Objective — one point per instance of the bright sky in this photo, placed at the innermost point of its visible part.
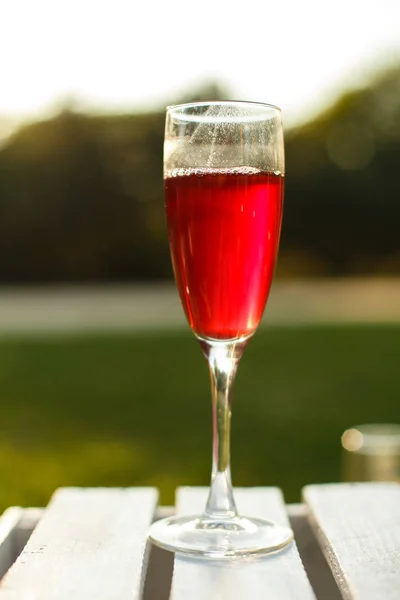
(138, 54)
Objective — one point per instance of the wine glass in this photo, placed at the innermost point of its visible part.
(224, 174)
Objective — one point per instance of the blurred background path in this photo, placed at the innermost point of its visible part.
(69, 308)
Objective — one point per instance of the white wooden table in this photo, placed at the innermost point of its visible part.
(90, 544)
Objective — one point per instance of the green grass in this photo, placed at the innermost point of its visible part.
(134, 409)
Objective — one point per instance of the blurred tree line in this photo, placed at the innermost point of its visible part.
(342, 212)
(81, 197)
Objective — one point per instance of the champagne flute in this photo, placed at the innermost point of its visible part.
(224, 175)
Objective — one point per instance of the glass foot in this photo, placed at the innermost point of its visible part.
(219, 538)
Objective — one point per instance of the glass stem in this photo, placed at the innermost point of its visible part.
(223, 359)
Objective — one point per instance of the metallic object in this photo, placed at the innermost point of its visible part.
(371, 453)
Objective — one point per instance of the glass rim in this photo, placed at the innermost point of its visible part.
(223, 102)
(179, 110)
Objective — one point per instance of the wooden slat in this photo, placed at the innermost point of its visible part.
(89, 545)
(30, 517)
(358, 526)
(314, 561)
(16, 526)
(8, 526)
(276, 577)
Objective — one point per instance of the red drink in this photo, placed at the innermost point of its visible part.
(224, 228)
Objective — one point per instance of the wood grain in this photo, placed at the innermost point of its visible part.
(358, 527)
(89, 545)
